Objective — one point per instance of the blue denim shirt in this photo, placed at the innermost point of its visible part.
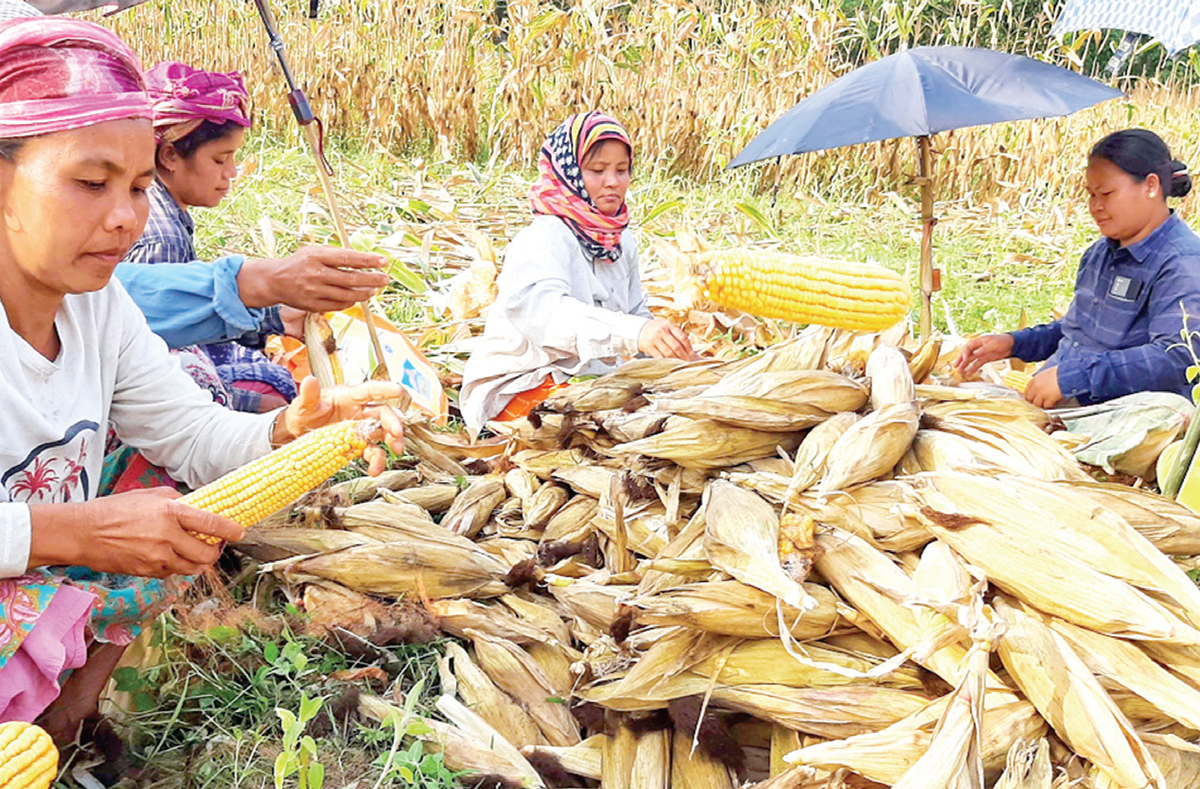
(189, 303)
(1122, 332)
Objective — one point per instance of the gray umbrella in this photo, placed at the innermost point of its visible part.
(917, 93)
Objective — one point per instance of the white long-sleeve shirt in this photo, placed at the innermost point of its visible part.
(558, 313)
(54, 415)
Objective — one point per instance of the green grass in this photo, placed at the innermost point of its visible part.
(206, 710)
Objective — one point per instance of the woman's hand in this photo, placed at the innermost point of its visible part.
(312, 279)
(314, 407)
(980, 350)
(662, 339)
(142, 532)
(1043, 389)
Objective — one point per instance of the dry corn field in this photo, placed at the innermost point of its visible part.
(824, 566)
(693, 84)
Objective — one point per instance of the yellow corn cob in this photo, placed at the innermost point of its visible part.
(257, 489)
(1017, 379)
(837, 293)
(28, 758)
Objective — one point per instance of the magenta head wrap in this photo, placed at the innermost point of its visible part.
(185, 97)
(61, 74)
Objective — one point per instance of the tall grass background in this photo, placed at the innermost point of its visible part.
(694, 80)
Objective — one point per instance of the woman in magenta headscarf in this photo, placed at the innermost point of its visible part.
(200, 122)
(80, 575)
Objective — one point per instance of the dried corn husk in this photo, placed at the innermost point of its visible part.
(954, 759)
(489, 702)
(1170, 526)
(883, 513)
(360, 489)
(432, 498)
(833, 713)
(812, 457)
(922, 361)
(870, 447)
(514, 671)
(891, 378)
(736, 609)
(582, 759)
(1057, 581)
(591, 481)
(521, 484)
(572, 522)
(546, 501)
(273, 545)
(873, 584)
(1123, 664)
(473, 507)
(742, 538)
(752, 662)
(652, 763)
(1053, 677)
(467, 744)
(597, 394)
(705, 444)
(695, 769)
(616, 762)
(1028, 767)
(886, 755)
(591, 602)
(1017, 441)
(540, 612)
(458, 616)
(433, 563)
(759, 413)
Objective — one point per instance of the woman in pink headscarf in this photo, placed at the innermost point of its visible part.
(80, 575)
(200, 123)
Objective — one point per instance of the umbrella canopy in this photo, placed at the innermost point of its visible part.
(68, 6)
(1173, 23)
(917, 93)
(924, 91)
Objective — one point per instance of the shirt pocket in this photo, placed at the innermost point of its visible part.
(1119, 323)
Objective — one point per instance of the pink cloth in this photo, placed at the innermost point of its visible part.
(58, 642)
(61, 74)
(184, 97)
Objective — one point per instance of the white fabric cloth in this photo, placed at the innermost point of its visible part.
(54, 414)
(557, 313)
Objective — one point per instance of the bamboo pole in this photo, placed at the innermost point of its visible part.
(927, 221)
(312, 134)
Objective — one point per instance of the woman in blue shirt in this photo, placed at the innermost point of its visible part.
(1134, 287)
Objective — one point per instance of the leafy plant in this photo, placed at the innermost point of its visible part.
(299, 754)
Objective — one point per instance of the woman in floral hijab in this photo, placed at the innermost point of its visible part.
(570, 299)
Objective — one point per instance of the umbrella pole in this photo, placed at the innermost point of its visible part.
(927, 221)
(313, 134)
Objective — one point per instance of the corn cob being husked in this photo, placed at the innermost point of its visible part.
(28, 758)
(257, 489)
(841, 294)
(1017, 379)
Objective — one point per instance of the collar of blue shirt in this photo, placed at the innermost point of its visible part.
(1140, 250)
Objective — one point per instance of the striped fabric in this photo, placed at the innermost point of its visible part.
(559, 189)
(1173, 23)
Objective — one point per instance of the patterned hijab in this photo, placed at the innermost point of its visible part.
(185, 97)
(62, 74)
(559, 189)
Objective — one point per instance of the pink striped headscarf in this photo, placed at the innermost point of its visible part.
(185, 97)
(61, 74)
